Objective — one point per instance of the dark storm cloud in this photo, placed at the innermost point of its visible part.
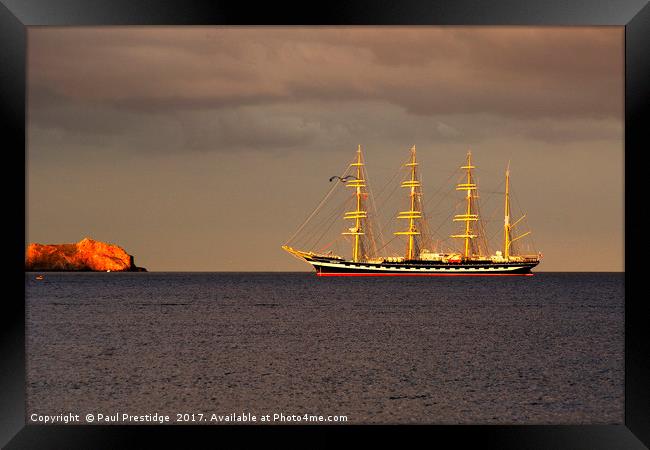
(534, 72)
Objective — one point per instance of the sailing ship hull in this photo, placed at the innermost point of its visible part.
(420, 268)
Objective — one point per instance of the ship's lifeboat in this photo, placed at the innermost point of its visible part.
(455, 259)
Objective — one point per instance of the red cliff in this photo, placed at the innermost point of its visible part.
(85, 255)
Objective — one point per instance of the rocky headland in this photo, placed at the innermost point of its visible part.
(86, 255)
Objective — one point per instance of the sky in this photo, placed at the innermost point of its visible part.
(204, 148)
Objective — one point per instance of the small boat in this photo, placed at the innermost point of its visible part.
(421, 257)
(39, 277)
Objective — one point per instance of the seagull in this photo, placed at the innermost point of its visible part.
(343, 178)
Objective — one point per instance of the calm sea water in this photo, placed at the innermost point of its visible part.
(541, 349)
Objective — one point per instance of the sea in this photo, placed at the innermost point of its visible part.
(203, 347)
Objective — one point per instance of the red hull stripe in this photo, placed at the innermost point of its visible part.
(361, 274)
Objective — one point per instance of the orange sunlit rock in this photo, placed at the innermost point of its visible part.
(85, 255)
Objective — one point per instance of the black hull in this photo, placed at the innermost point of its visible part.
(346, 268)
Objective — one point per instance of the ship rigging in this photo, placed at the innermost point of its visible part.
(420, 255)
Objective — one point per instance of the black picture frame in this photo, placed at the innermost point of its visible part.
(16, 15)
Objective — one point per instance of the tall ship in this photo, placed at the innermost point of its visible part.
(467, 254)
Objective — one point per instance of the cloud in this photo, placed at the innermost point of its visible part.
(206, 130)
(507, 71)
(446, 130)
(249, 129)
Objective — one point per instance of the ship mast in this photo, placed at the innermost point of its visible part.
(506, 220)
(468, 217)
(507, 226)
(412, 214)
(358, 213)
